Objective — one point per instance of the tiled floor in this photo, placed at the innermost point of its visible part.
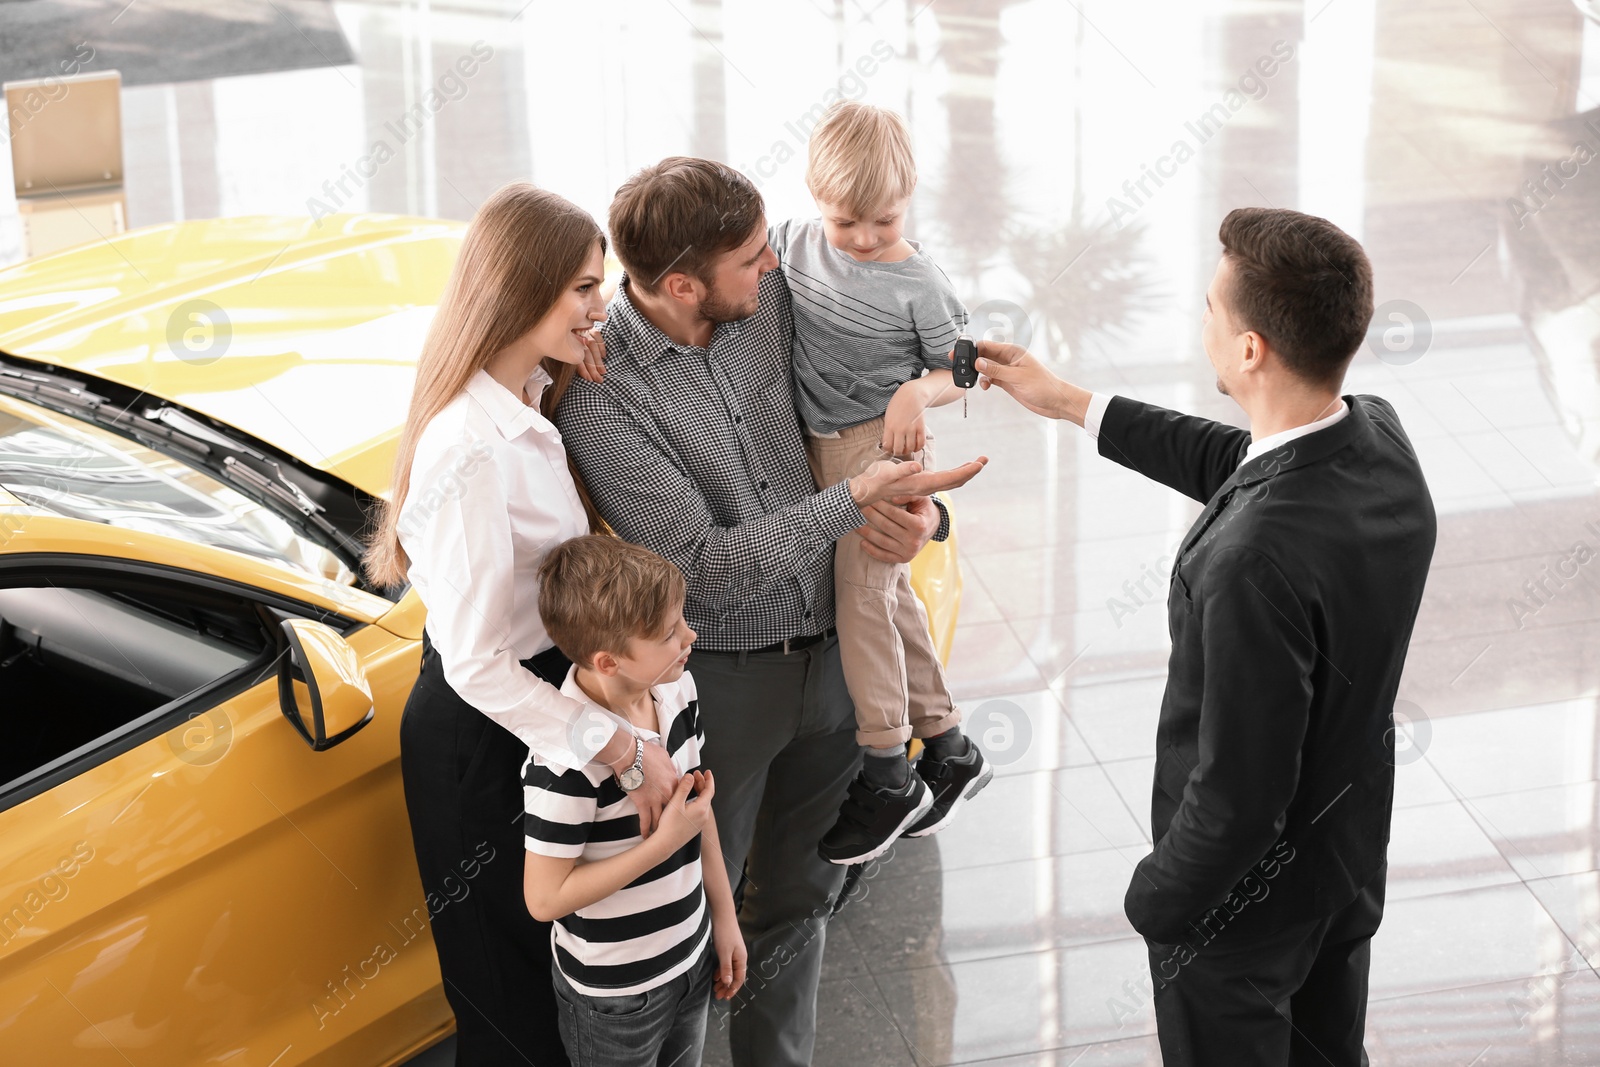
(1412, 123)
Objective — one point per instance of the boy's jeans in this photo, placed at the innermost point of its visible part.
(661, 1027)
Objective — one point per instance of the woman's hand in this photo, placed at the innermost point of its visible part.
(593, 367)
(904, 431)
(660, 776)
(732, 955)
(683, 819)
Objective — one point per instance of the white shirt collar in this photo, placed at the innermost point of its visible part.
(667, 699)
(1283, 437)
(511, 416)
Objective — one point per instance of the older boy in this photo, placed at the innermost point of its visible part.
(639, 924)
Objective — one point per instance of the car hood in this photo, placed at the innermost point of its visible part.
(302, 334)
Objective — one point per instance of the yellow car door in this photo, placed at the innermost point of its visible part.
(186, 880)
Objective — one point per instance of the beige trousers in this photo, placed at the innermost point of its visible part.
(894, 674)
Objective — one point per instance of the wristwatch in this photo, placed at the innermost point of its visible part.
(633, 777)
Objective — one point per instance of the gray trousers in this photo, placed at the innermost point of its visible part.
(780, 739)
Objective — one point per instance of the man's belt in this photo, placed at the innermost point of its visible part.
(796, 644)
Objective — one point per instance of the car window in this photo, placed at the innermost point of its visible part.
(86, 660)
(71, 468)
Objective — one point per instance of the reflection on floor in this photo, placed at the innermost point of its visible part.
(1054, 191)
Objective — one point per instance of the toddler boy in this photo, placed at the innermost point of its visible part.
(875, 320)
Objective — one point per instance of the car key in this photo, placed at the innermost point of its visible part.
(964, 368)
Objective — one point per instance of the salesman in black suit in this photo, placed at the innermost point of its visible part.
(1290, 608)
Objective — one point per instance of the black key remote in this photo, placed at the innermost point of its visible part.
(964, 368)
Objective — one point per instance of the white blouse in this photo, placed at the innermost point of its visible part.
(490, 495)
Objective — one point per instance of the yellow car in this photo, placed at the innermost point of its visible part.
(207, 857)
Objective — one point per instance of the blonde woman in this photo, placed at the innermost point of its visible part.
(481, 493)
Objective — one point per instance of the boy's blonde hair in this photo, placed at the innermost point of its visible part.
(860, 156)
(597, 591)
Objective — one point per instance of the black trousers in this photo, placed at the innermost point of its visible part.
(464, 798)
(1295, 995)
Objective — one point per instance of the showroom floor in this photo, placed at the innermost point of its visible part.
(1076, 160)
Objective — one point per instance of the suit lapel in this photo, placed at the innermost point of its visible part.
(1219, 500)
(1251, 477)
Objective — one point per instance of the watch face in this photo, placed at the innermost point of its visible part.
(631, 779)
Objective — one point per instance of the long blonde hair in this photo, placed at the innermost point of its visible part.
(523, 248)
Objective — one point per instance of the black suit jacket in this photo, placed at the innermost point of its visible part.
(1290, 607)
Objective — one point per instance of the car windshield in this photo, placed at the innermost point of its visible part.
(73, 469)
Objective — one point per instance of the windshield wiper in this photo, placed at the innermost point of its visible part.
(234, 461)
(69, 396)
(31, 383)
(166, 428)
(261, 469)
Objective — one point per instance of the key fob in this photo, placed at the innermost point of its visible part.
(964, 369)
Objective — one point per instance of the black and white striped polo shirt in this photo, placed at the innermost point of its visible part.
(652, 930)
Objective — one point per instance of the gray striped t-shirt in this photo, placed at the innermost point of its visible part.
(861, 330)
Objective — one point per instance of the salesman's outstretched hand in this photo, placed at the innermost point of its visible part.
(1018, 372)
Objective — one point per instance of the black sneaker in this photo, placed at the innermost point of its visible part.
(954, 781)
(871, 818)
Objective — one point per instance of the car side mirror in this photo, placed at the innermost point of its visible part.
(322, 689)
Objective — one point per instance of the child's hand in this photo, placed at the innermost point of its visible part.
(682, 819)
(732, 955)
(904, 433)
(593, 367)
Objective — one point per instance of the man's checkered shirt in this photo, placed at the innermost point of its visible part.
(696, 453)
